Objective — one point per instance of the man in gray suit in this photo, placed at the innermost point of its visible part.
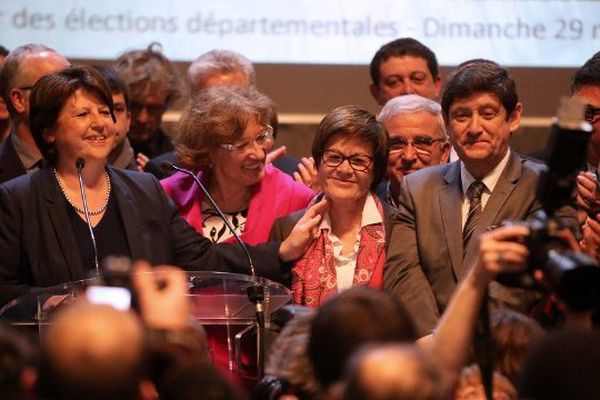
(440, 215)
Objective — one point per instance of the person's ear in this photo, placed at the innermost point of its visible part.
(446, 152)
(375, 93)
(438, 86)
(48, 136)
(514, 121)
(18, 98)
(128, 120)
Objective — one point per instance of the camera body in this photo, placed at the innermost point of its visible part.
(573, 276)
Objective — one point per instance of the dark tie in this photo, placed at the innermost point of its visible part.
(474, 195)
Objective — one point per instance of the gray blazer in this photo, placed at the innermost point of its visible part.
(430, 227)
(417, 298)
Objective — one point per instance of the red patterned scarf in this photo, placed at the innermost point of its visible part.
(314, 276)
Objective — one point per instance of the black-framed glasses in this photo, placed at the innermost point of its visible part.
(358, 162)
(421, 143)
(25, 88)
(592, 114)
(261, 139)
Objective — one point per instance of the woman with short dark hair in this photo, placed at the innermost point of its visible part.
(350, 151)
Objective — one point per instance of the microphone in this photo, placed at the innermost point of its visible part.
(79, 164)
(255, 292)
(168, 165)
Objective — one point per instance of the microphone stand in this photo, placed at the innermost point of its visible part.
(255, 292)
(80, 163)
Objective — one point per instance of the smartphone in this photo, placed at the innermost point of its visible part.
(113, 288)
(115, 296)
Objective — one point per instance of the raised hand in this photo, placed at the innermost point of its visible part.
(304, 232)
(307, 174)
(275, 154)
(162, 295)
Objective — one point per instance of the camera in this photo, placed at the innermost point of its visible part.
(573, 276)
(113, 286)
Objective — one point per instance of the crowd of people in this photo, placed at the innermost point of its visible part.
(390, 234)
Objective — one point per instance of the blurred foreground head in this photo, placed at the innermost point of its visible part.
(345, 323)
(394, 371)
(563, 365)
(93, 352)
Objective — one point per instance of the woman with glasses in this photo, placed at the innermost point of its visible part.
(350, 150)
(224, 137)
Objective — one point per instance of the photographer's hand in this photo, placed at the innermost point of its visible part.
(162, 296)
(502, 250)
(588, 198)
(590, 243)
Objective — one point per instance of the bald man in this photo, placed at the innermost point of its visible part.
(395, 371)
(23, 67)
(94, 352)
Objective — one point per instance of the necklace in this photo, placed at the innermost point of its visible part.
(81, 210)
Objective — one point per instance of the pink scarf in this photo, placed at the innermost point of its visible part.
(314, 276)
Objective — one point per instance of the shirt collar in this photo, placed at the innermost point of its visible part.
(370, 215)
(29, 158)
(389, 196)
(490, 180)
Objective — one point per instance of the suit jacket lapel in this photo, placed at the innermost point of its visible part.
(450, 200)
(498, 198)
(60, 220)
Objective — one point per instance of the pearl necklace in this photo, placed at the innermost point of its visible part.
(81, 210)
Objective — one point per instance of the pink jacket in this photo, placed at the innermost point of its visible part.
(276, 195)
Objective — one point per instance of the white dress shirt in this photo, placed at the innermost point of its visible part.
(490, 181)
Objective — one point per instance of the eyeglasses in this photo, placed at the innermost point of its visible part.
(262, 138)
(155, 110)
(358, 162)
(592, 114)
(421, 143)
(25, 88)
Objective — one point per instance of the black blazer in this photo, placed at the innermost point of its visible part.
(38, 247)
(10, 163)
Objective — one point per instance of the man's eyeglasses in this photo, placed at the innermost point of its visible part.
(358, 162)
(592, 114)
(262, 138)
(421, 143)
(155, 110)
